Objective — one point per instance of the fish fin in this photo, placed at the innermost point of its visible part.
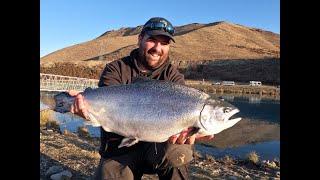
(93, 121)
(106, 129)
(193, 131)
(87, 122)
(129, 141)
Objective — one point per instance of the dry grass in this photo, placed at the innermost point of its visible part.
(53, 125)
(49, 121)
(44, 117)
(197, 154)
(210, 158)
(83, 131)
(227, 160)
(252, 157)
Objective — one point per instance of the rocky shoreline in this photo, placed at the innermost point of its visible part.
(65, 155)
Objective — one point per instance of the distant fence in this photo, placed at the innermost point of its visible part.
(51, 82)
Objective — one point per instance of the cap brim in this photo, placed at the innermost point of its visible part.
(159, 32)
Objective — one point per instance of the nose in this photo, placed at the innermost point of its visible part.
(157, 46)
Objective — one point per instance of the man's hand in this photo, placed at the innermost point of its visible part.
(78, 106)
(181, 139)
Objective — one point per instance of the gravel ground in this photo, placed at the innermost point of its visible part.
(79, 155)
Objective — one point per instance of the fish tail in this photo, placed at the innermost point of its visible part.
(63, 102)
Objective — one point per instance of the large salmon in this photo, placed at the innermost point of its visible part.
(152, 111)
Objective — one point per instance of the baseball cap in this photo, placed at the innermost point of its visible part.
(158, 26)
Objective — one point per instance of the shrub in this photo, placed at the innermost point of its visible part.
(83, 131)
(252, 157)
(44, 117)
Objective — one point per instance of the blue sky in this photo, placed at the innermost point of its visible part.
(65, 23)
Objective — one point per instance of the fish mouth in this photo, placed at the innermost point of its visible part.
(230, 114)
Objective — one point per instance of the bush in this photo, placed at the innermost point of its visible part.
(252, 157)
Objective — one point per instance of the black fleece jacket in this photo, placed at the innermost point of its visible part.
(122, 71)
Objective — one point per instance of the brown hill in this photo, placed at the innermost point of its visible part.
(196, 44)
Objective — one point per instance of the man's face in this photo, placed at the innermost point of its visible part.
(153, 50)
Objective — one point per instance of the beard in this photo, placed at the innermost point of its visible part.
(146, 60)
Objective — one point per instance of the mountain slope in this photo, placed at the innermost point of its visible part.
(216, 51)
(219, 40)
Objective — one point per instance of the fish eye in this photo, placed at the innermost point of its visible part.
(226, 110)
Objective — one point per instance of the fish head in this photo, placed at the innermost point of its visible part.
(215, 116)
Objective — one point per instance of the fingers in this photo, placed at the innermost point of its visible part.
(81, 106)
(191, 140)
(173, 139)
(78, 106)
(80, 102)
(74, 106)
(182, 137)
(73, 92)
(205, 137)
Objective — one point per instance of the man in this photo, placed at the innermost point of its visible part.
(170, 159)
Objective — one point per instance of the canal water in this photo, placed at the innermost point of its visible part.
(258, 131)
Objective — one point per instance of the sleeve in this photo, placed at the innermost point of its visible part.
(110, 75)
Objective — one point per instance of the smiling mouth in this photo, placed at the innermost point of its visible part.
(154, 54)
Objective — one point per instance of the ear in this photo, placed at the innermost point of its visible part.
(140, 37)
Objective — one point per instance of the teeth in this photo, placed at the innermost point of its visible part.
(154, 54)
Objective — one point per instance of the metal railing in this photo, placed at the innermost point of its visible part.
(52, 82)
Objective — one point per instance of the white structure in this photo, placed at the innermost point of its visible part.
(228, 83)
(52, 82)
(215, 83)
(255, 83)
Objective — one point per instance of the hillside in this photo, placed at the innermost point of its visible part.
(197, 49)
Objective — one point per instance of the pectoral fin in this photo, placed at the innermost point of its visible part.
(93, 121)
(129, 141)
(193, 131)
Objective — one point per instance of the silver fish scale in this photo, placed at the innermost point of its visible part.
(147, 111)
